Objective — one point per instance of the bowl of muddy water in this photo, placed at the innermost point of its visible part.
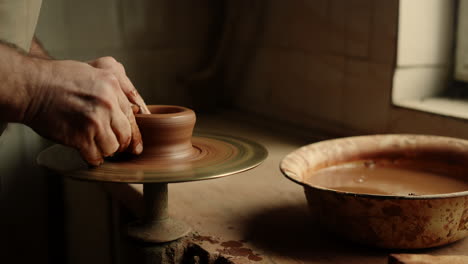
(388, 191)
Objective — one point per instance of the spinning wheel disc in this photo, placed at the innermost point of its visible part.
(213, 156)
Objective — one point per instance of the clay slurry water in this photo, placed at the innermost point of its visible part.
(371, 178)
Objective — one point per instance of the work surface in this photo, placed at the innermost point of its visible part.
(259, 215)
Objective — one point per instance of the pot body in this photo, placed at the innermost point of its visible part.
(167, 132)
(390, 222)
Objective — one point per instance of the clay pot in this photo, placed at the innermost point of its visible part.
(387, 221)
(167, 132)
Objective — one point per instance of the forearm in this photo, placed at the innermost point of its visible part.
(37, 50)
(20, 75)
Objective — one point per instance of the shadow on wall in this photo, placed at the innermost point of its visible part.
(241, 31)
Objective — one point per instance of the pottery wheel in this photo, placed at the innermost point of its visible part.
(213, 156)
(171, 154)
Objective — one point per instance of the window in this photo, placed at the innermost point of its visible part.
(430, 75)
(461, 45)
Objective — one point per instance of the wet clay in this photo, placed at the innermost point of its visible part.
(383, 179)
(167, 132)
(168, 142)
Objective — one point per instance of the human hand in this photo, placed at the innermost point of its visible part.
(84, 107)
(112, 65)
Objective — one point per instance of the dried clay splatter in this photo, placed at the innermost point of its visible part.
(234, 248)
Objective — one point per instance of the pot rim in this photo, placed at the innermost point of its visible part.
(174, 112)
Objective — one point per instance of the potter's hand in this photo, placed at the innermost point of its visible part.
(112, 65)
(84, 107)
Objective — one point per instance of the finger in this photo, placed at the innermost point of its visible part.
(119, 122)
(107, 142)
(122, 120)
(132, 93)
(136, 145)
(124, 82)
(91, 154)
(135, 109)
(122, 129)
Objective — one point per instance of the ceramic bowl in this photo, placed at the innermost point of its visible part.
(387, 221)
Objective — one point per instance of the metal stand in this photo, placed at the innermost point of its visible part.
(157, 226)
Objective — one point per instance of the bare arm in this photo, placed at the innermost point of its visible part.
(17, 73)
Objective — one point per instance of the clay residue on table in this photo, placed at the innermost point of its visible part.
(237, 249)
(232, 243)
(230, 248)
(209, 239)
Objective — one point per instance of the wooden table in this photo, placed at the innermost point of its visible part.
(259, 216)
